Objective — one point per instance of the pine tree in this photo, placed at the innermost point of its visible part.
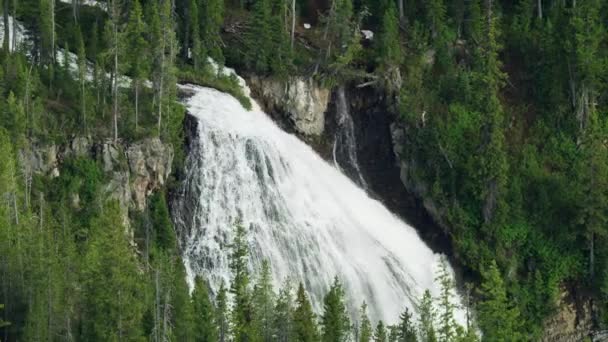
(497, 319)
(305, 326)
(205, 327)
(284, 314)
(82, 73)
(447, 325)
(335, 321)
(406, 332)
(197, 52)
(380, 335)
(242, 309)
(426, 318)
(113, 311)
(47, 34)
(593, 182)
(389, 45)
(221, 314)
(259, 37)
(138, 49)
(164, 42)
(365, 326)
(211, 20)
(263, 304)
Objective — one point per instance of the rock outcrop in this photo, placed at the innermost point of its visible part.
(133, 170)
(302, 102)
(570, 323)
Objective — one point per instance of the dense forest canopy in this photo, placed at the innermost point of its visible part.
(505, 104)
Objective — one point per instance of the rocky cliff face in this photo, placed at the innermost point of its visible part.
(299, 104)
(133, 170)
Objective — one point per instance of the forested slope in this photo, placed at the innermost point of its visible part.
(504, 104)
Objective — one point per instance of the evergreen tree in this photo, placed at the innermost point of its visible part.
(305, 326)
(365, 326)
(380, 335)
(211, 20)
(196, 52)
(222, 315)
(242, 309)
(496, 317)
(426, 319)
(263, 304)
(205, 327)
(593, 175)
(406, 331)
(259, 37)
(447, 325)
(113, 311)
(335, 321)
(138, 50)
(389, 45)
(82, 73)
(284, 314)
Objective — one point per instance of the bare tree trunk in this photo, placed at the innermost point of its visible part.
(157, 307)
(592, 257)
(14, 40)
(136, 104)
(75, 10)
(5, 44)
(53, 32)
(115, 19)
(401, 11)
(293, 22)
(540, 9)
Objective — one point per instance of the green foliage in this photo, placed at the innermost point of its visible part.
(406, 331)
(205, 326)
(426, 319)
(242, 311)
(335, 321)
(284, 316)
(304, 320)
(112, 311)
(211, 20)
(263, 299)
(498, 319)
(365, 326)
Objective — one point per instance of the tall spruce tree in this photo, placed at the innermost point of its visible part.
(283, 326)
(365, 326)
(304, 320)
(205, 325)
(497, 318)
(335, 321)
(426, 319)
(113, 311)
(380, 335)
(242, 310)
(446, 328)
(138, 50)
(211, 20)
(263, 304)
(406, 331)
(222, 315)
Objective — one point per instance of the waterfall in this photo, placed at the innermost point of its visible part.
(303, 215)
(345, 143)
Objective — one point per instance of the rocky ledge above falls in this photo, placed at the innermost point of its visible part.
(133, 170)
(297, 104)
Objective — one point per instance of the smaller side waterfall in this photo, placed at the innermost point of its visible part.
(345, 142)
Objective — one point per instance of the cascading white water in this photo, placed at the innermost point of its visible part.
(345, 143)
(309, 220)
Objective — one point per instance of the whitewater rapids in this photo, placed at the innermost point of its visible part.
(303, 215)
